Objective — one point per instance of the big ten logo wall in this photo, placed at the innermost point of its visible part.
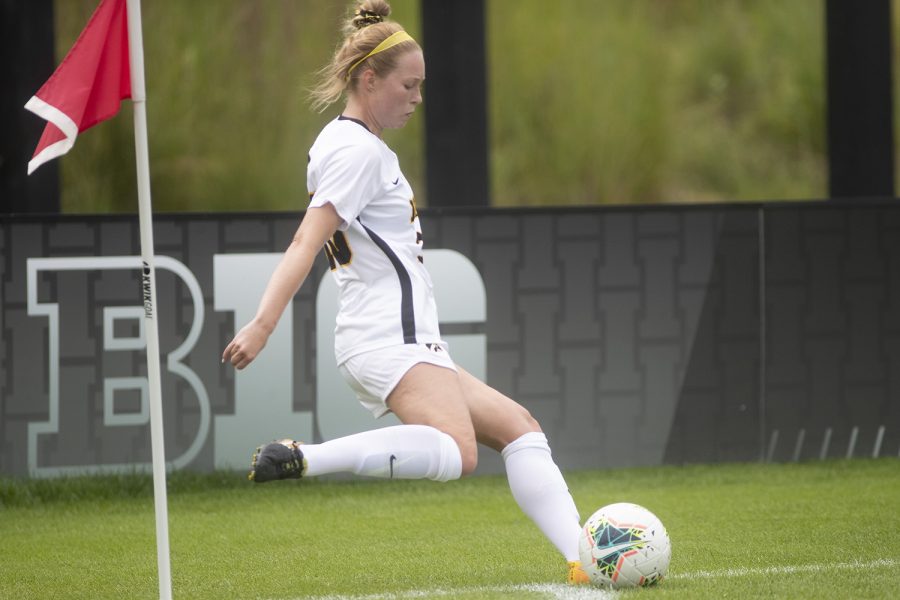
(635, 336)
(600, 323)
(85, 383)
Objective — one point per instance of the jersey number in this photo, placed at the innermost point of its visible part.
(338, 251)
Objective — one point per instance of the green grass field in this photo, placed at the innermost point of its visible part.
(816, 530)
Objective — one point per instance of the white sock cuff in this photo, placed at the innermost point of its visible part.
(532, 439)
(450, 466)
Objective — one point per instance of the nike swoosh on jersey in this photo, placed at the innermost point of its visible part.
(396, 181)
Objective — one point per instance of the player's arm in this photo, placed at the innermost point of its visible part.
(318, 225)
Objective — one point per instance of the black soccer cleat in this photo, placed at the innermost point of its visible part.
(279, 460)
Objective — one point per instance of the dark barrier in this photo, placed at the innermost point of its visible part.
(636, 336)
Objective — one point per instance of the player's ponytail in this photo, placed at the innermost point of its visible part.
(367, 13)
(371, 41)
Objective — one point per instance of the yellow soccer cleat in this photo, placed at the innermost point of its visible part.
(577, 576)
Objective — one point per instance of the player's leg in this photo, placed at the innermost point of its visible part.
(534, 478)
(398, 452)
(436, 441)
(431, 395)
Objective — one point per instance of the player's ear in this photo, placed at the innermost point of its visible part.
(368, 80)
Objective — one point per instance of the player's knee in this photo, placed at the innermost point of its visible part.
(528, 422)
(517, 422)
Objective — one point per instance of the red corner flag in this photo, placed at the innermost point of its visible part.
(88, 86)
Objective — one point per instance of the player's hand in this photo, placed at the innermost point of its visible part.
(246, 345)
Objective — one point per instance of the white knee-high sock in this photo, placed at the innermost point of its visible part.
(541, 492)
(398, 452)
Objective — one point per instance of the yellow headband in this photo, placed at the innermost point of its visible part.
(388, 42)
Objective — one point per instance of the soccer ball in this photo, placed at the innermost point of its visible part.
(624, 545)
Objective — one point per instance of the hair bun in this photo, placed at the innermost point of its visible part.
(364, 18)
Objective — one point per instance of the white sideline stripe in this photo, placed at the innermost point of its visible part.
(558, 591)
(788, 569)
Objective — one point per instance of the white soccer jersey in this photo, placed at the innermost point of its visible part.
(385, 294)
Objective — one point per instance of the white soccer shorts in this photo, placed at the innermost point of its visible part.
(373, 375)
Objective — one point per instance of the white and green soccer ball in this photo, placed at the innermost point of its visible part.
(624, 545)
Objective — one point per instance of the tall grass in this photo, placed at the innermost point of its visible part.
(647, 101)
(610, 101)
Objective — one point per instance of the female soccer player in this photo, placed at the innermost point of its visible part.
(387, 343)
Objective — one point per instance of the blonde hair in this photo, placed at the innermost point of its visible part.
(363, 31)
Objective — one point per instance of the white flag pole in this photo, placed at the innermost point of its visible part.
(145, 215)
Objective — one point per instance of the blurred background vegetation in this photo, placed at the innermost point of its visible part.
(590, 102)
